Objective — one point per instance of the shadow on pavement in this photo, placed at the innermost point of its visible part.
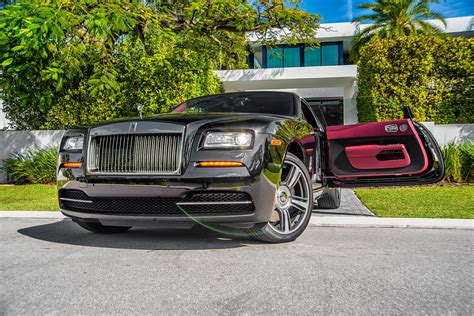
(197, 238)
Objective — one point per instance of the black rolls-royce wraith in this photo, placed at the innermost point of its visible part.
(254, 161)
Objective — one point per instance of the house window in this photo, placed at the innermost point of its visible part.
(330, 54)
(312, 56)
(327, 54)
(285, 56)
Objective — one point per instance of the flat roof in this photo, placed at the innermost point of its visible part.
(459, 26)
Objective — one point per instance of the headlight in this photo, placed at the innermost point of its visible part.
(74, 143)
(228, 140)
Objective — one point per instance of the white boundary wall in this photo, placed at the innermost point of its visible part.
(23, 141)
(12, 142)
(451, 133)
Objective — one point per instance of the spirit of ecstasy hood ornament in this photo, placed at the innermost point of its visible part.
(140, 109)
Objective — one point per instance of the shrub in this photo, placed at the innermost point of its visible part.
(432, 75)
(33, 167)
(75, 56)
(158, 81)
(459, 161)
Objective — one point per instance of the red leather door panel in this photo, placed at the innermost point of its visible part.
(376, 149)
(378, 156)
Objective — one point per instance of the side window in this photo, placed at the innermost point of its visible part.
(309, 116)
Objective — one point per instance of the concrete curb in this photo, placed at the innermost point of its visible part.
(368, 221)
(32, 214)
(316, 220)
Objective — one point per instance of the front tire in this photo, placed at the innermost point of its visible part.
(293, 205)
(98, 228)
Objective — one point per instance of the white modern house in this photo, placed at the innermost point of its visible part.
(322, 76)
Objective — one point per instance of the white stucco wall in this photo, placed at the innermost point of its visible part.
(451, 133)
(12, 142)
(3, 120)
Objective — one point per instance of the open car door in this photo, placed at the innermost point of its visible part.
(398, 152)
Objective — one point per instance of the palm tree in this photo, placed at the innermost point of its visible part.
(396, 18)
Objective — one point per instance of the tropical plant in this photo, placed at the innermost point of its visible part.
(395, 18)
(459, 162)
(53, 52)
(33, 167)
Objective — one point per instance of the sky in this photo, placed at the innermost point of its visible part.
(345, 10)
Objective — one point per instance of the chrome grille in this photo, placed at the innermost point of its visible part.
(135, 154)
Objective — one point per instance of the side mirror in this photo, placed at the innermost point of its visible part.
(408, 113)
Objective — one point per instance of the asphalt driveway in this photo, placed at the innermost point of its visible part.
(53, 266)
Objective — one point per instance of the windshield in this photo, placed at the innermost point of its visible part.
(267, 103)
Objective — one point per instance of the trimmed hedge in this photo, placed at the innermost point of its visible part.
(433, 75)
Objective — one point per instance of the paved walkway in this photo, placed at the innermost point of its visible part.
(324, 220)
(350, 205)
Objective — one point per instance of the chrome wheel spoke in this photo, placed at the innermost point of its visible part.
(285, 221)
(292, 200)
(293, 177)
(301, 204)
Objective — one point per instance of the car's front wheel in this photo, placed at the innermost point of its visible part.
(293, 205)
(101, 229)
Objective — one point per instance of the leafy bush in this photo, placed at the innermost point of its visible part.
(33, 167)
(158, 80)
(459, 161)
(77, 62)
(432, 75)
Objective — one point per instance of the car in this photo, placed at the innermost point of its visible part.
(253, 162)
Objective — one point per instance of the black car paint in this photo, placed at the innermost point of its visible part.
(259, 179)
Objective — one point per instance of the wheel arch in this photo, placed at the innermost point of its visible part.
(296, 149)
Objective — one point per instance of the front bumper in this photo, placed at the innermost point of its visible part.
(170, 204)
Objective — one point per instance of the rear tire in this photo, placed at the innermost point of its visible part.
(330, 199)
(98, 228)
(294, 204)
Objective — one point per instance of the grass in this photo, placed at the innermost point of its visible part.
(449, 201)
(424, 201)
(34, 197)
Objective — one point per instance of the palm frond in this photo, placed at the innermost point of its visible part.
(368, 17)
(428, 28)
(396, 18)
(437, 16)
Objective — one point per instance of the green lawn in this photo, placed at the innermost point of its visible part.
(34, 197)
(422, 202)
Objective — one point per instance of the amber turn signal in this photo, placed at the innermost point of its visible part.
(72, 165)
(219, 164)
(276, 142)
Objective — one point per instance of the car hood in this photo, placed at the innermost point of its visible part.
(202, 118)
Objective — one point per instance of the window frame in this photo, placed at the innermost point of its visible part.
(265, 52)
